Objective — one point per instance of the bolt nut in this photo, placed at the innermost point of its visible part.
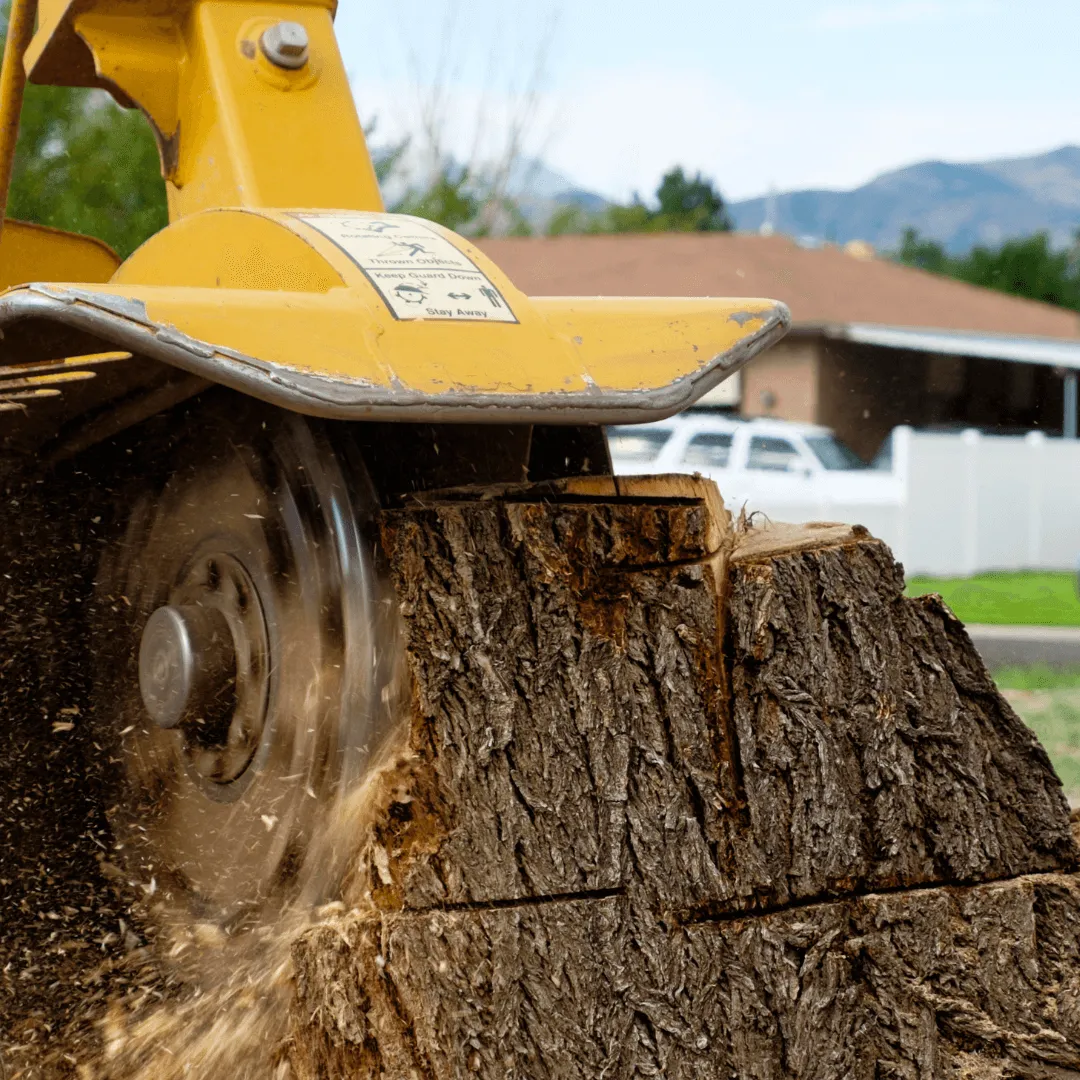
(285, 44)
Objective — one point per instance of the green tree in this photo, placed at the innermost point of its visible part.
(568, 220)
(683, 204)
(447, 200)
(690, 205)
(84, 164)
(455, 197)
(925, 254)
(1027, 267)
(634, 217)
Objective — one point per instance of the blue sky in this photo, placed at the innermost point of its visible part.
(756, 93)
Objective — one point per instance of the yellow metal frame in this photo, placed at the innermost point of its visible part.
(246, 286)
(20, 30)
(38, 253)
(234, 130)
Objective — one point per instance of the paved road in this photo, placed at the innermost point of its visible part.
(1007, 646)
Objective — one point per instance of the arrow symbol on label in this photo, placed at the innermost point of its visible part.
(460, 295)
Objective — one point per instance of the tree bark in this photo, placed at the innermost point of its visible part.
(684, 799)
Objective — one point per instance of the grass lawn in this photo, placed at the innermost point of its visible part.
(1048, 701)
(1033, 598)
(1054, 715)
(1038, 677)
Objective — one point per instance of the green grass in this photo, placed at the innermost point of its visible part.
(1038, 677)
(1032, 598)
(1054, 715)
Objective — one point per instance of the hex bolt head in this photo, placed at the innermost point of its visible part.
(285, 44)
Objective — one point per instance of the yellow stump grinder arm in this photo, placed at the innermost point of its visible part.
(248, 359)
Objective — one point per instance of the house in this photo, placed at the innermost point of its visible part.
(874, 344)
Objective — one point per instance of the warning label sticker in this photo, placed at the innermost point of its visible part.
(419, 273)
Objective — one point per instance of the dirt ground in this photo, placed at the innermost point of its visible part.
(68, 942)
(93, 985)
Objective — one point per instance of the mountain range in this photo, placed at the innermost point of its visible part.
(959, 205)
(540, 192)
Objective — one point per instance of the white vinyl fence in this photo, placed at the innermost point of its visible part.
(970, 502)
(953, 503)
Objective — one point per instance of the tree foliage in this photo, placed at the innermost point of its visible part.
(923, 254)
(690, 205)
(84, 164)
(683, 204)
(88, 166)
(1027, 267)
(447, 200)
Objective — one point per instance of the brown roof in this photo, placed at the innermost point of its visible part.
(824, 285)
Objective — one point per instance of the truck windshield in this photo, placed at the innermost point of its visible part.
(833, 454)
(638, 445)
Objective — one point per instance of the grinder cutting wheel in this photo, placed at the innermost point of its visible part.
(252, 656)
(243, 632)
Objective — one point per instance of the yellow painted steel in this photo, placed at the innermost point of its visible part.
(234, 129)
(240, 287)
(231, 249)
(20, 27)
(37, 253)
(341, 334)
(267, 285)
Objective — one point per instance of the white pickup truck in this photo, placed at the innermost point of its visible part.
(788, 471)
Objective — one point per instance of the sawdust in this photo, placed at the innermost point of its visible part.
(98, 981)
(162, 997)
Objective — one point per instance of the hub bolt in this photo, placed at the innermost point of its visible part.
(286, 45)
(187, 667)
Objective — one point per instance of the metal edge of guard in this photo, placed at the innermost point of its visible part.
(125, 324)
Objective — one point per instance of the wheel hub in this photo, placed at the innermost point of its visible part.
(187, 666)
(204, 668)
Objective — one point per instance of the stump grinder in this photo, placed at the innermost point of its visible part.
(225, 412)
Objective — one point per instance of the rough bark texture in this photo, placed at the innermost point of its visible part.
(977, 981)
(683, 801)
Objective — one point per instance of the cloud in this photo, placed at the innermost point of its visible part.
(797, 107)
(620, 132)
(872, 13)
(617, 132)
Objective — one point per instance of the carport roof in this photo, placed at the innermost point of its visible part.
(1053, 352)
(875, 301)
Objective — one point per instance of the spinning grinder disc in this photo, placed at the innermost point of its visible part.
(254, 654)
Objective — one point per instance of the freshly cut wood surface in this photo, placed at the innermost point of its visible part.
(684, 800)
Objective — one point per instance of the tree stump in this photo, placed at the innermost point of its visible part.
(685, 799)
